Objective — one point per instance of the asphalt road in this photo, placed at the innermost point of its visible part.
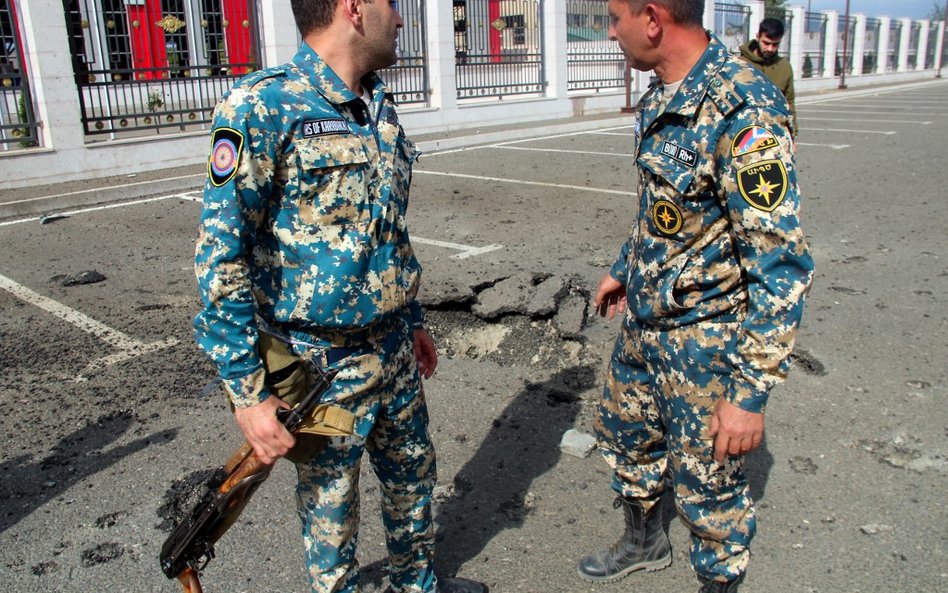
(100, 381)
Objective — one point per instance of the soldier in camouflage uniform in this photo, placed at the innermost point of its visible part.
(303, 235)
(711, 281)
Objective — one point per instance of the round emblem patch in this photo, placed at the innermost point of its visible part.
(225, 155)
(763, 185)
(226, 144)
(667, 217)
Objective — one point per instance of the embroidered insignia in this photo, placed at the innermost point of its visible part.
(667, 217)
(752, 139)
(763, 184)
(226, 145)
(682, 155)
(323, 127)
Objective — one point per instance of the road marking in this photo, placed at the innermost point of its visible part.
(98, 189)
(127, 346)
(887, 132)
(183, 196)
(625, 135)
(878, 121)
(833, 146)
(850, 112)
(466, 250)
(524, 182)
(527, 148)
(532, 139)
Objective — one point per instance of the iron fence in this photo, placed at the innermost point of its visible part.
(408, 78)
(931, 48)
(593, 61)
(498, 48)
(892, 51)
(18, 125)
(845, 38)
(915, 34)
(814, 36)
(143, 66)
(732, 24)
(870, 54)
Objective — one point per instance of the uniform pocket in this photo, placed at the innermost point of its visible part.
(333, 179)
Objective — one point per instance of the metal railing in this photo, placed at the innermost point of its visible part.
(18, 125)
(870, 55)
(152, 65)
(732, 24)
(843, 42)
(593, 61)
(892, 52)
(914, 36)
(498, 48)
(408, 78)
(814, 35)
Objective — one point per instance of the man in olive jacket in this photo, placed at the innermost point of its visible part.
(762, 54)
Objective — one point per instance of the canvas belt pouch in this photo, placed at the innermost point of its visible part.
(289, 379)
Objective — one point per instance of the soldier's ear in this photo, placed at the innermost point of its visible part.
(351, 10)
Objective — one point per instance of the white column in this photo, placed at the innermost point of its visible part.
(797, 31)
(52, 81)
(278, 28)
(441, 74)
(709, 15)
(883, 62)
(555, 48)
(757, 14)
(859, 43)
(904, 44)
(923, 45)
(939, 41)
(829, 42)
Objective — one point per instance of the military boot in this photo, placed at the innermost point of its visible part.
(708, 586)
(459, 585)
(643, 546)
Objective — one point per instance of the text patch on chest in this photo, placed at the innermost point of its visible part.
(323, 127)
(682, 155)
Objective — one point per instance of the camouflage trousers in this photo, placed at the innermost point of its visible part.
(655, 414)
(380, 385)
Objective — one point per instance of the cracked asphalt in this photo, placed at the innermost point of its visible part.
(102, 385)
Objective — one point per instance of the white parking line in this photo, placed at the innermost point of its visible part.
(878, 121)
(885, 132)
(127, 346)
(833, 146)
(524, 182)
(527, 148)
(466, 250)
(183, 196)
(98, 189)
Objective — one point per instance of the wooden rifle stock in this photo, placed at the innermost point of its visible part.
(189, 580)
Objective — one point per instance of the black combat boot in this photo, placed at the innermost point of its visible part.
(708, 586)
(643, 546)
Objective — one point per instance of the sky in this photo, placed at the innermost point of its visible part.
(916, 9)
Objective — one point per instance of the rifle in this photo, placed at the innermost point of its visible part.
(191, 545)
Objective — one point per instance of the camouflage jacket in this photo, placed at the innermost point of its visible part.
(304, 216)
(718, 233)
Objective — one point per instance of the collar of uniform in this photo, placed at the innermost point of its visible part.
(695, 86)
(327, 82)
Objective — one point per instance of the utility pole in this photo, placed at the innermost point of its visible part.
(842, 69)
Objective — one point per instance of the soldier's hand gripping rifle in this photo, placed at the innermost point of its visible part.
(191, 545)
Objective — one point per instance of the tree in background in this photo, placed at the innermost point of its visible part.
(938, 12)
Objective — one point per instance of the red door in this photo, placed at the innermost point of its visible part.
(148, 39)
(237, 35)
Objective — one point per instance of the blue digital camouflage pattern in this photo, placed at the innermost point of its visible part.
(716, 270)
(309, 231)
(303, 227)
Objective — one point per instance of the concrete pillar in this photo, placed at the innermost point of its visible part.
(883, 62)
(555, 48)
(923, 45)
(797, 32)
(939, 44)
(830, 42)
(280, 37)
(709, 15)
(442, 77)
(51, 77)
(904, 44)
(859, 43)
(757, 14)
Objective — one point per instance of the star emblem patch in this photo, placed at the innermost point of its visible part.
(667, 217)
(764, 184)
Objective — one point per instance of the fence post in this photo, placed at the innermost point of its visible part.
(829, 43)
(882, 63)
(555, 48)
(709, 15)
(904, 41)
(278, 29)
(797, 31)
(922, 49)
(939, 48)
(442, 77)
(859, 43)
(757, 14)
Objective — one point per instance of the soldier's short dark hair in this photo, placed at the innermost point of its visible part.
(685, 12)
(771, 27)
(312, 15)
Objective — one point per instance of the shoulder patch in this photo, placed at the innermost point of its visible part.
(262, 76)
(724, 94)
(226, 145)
(752, 139)
(763, 184)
